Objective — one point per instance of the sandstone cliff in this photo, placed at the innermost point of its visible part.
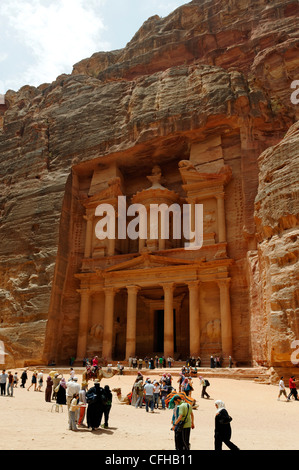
(209, 68)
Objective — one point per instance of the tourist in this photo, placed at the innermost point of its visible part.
(164, 392)
(74, 407)
(33, 381)
(82, 401)
(146, 362)
(72, 373)
(71, 389)
(56, 381)
(149, 395)
(185, 386)
(152, 363)
(180, 381)
(24, 378)
(130, 362)
(282, 390)
(95, 363)
(94, 405)
(212, 362)
(10, 384)
(222, 427)
(205, 383)
(293, 388)
(185, 415)
(3, 378)
(107, 404)
(230, 362)
(15, 380)
(140, 362)
(48, 390)
(61, 392)
(198, 362)
(169, 361)
(139, 392)
(40, 380)
(156, 394)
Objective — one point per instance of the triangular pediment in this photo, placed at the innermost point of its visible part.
(150, 261)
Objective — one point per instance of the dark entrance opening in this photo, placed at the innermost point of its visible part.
(159, 331)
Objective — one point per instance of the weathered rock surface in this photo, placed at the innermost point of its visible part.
(209, 69)
(275, 309)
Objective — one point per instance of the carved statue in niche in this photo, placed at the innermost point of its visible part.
(213, 330)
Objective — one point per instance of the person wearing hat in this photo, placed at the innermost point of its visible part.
(72, 388)
(182, 412)
(95, 408)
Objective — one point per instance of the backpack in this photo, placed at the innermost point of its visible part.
(91, 397)
(207, 383)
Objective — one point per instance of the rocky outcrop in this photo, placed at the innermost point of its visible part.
(275, 311)
(210, 68)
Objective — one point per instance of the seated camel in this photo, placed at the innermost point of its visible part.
(92, 374)
(123, 400)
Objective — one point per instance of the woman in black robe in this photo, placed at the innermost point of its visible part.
(61, 394)
(95, 409)
(223, 430)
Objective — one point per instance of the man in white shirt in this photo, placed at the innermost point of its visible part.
(282, 390)
(72, 387)
(149, 395)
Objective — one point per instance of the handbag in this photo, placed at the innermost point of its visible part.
(180, 425)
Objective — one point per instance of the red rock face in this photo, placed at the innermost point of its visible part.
(211, 71)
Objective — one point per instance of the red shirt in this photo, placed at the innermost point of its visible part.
(292, 383)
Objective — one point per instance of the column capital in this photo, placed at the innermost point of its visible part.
(84, 291)
(224, 282)
(133, 289)
(168, 285)
(193, 284)
(110, 290)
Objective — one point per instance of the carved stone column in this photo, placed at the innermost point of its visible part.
(168, 319)
(88, 237)
(221, 218)
(108, 322)
(194, 318)
(131, 321)
(226, 322)
(83, 324)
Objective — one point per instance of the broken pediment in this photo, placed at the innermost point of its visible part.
(149, 261)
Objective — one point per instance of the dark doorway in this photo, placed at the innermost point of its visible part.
(159, 331)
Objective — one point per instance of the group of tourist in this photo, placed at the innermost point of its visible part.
(157, 362)
(151, 393)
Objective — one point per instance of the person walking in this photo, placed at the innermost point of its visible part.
(282, 389)
(56, 381)
(33, 381)
(183, 424)
(40, 380)
(149, 395)
(3, 378)
(222, 427)
(24, 378)
(48, 390)
(9, 390)
(205, 383)
(293, 388)
(15, 380)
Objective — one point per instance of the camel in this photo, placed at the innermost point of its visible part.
(123, 400)
(90, 374)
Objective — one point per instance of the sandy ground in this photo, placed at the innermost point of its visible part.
(260, 422)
